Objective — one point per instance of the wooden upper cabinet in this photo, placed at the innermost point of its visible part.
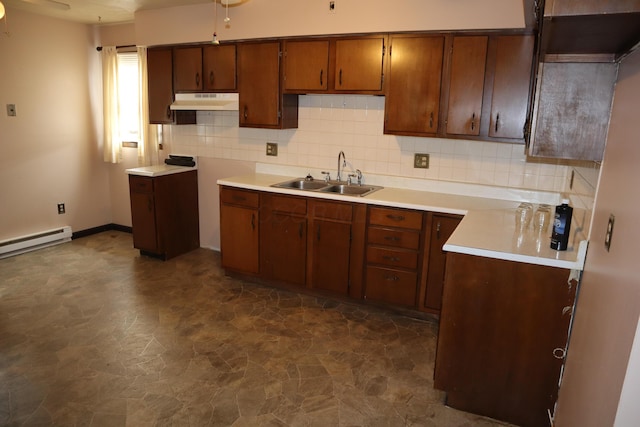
(261, 101)
(466, 85)
(187, 69)
(306, 65)
(359, 64)
(511, 86)
(413, 87)
(219, 67)
(589, 7)
(572, 110)
(160, 85)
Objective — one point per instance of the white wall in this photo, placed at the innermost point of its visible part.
(609, 299)
(50, 152)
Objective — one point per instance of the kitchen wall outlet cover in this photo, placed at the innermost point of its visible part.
(11, 110)
(272, 149)
(421, 161)
(61, 208)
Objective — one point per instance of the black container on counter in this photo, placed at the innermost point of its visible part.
(561, 226)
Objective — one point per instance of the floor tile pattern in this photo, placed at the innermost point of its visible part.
(93, 334)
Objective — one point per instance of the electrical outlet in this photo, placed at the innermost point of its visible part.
(11, 110)
(61, 208)
(421, 161)
(607, 237)
(272, 149)
(332, 7)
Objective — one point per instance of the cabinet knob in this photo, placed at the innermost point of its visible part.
(438, 230)
(559, 353)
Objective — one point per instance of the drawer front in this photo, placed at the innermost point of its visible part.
(396, 238)
(391, 286)
(392, 257)
(332, 210)
(234, 196)
(395, 218)
(140, 184)
(288, 204)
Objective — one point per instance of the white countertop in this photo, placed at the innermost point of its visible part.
(159, 170)
(488, 228)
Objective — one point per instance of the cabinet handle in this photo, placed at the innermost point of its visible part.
(149, 204)
(392, 238)
(431, 120)
(253, 221)
(300, 230)
(321, 75)
(340, 77)
(391, 278)
(168, 111)
(239, 198)
(438, 230)
(473, 121)
(211, 78)
(318, 232)
(391, 258)
(198, 79)
(497, 120)
(395, 217)
(245, 113)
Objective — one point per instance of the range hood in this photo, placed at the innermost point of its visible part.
(206, 101)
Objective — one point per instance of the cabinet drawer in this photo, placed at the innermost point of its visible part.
(396, 238)
(140, 184)
(332, 210)
(396, 218)
(288, 204)
(391, 286)
(246, 198)
(392, 257)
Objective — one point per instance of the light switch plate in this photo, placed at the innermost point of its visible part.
(11, 110)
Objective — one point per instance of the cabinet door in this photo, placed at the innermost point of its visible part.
(160, 85)
(572, 109)
(285, 245)
(359, 64)
(187, 69)
(239, 238)
(466, 86)
(413, 91)
(511, 86)
(305, 65)
(259, 83)
(330, 249)
(143, 222)
(441, 229)
(219, 67)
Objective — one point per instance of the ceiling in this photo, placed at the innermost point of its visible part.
(94, 11)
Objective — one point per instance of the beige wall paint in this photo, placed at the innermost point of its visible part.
(259, 18)
(50, 150)
(609, 302)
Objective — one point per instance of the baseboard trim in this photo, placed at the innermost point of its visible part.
(100, 229)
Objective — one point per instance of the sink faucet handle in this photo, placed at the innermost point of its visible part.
(351, 175)
(327, 176)
(359, 176)
(309, 177)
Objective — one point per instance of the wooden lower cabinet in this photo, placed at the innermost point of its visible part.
(164, 213)
(503, 333)
(240, 230)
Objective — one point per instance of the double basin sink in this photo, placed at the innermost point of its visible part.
(334, 187)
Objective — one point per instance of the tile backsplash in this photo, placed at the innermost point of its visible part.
(328, 124)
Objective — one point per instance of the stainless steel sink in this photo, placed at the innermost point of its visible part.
(351, 190)
(328, 187)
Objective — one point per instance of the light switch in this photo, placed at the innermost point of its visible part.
(11, 109)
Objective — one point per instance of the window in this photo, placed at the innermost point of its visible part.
(128, 97)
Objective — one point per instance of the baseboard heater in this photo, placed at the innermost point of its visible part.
(31, 242)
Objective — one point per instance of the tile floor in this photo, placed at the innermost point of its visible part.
(93, 334)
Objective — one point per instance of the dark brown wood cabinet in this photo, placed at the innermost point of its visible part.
(466, 85)
(359, 64)
(283, 238)
(503, 335)
(306, 65)
(412, 103)
(240, 230)
(572, 109)
(164, 213)
(262, 103)
(219, 68)
(160, 85)
(395, 243)
(442, 227)
(187, 69)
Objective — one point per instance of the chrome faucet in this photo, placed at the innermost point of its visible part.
(344, 163)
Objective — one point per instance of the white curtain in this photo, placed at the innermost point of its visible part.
(112, 146)
(148, 143)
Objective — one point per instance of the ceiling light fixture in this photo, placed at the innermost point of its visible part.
(215, 24)
(1, 10)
